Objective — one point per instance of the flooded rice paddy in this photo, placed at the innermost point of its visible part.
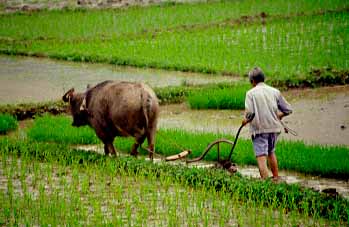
(26, 79)
(48, 189)
(321, 116)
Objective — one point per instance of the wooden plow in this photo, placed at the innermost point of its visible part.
(224, 163)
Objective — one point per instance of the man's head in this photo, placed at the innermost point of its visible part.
(256, 75)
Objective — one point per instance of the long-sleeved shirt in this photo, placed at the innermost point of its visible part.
(266, 101)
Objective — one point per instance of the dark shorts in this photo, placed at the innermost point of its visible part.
(264, 144)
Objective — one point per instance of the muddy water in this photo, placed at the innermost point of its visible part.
(26, 79)
(320, 116)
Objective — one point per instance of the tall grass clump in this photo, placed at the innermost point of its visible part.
(232, 97)
(59, 129)
(7, 123)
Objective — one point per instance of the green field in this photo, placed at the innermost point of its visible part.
(96, 24)
(228, 37)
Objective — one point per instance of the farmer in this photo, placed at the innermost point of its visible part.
(269, 107)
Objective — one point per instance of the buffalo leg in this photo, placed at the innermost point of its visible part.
(109, 148)
(151, 141)
(139, 141)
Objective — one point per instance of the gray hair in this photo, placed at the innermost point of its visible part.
(256, 75)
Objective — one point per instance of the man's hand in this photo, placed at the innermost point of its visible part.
(280, 115)
(248, 118)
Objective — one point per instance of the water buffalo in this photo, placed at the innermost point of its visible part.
(117, 109)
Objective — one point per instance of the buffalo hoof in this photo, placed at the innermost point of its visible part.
(151, 156)
(112, 155)
(134, 153)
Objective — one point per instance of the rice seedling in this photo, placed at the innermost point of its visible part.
(158, 186)
(232, 97)
(7, 123)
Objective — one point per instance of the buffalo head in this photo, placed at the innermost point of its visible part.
(77, 107)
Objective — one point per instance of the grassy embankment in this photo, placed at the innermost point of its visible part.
(310, 159)
(293, 50)
(54, 183)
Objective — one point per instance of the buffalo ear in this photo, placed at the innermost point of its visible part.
(88, 86)
(68, 95)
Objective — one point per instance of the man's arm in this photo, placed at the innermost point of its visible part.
(249, 110)
(284, 107)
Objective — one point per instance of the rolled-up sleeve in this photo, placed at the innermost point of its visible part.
(283, 105)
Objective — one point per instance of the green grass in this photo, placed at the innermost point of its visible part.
(311, 159)
(86, 180)
(7, 123)
(225, 97)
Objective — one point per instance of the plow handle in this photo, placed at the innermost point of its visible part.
(249, 117)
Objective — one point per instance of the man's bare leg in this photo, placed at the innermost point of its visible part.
(273, 163)
(262, 166)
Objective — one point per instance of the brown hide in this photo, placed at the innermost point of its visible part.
(117, 109)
